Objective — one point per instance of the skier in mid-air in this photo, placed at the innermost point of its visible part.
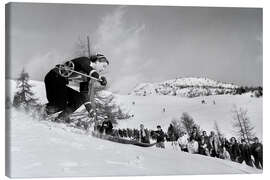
(63, 98)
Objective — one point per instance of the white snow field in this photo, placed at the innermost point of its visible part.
(47, 149)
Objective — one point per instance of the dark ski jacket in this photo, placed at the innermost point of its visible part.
(245, 152)
(107, 126)
(234, 151)
(257, 150)
(160, 136)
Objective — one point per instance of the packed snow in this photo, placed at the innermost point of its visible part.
(47, 149)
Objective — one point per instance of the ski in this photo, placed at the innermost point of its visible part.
(120, 140)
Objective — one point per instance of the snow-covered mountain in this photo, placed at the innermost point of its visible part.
(185, 87)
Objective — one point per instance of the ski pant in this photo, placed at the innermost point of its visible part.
(63, 98)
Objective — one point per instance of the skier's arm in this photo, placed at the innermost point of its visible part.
(101, 79)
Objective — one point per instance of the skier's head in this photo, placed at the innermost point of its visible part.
(99, 62)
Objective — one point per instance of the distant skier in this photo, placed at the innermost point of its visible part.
(63, 98)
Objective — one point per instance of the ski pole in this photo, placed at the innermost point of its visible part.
(77, 72)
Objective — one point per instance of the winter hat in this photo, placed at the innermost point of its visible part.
(99, 57)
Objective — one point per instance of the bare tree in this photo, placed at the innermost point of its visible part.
(81, 48)
(242, 124)
(218, 131)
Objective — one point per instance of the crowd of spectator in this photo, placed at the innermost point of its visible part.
(213, 145)
(195, 142)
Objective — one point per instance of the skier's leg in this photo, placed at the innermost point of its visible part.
(75, 100)
(56, 92)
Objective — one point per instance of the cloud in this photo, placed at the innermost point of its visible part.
(121, 42)
(39, 65)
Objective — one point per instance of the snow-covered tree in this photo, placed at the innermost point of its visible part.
(24, 97)
(176, 123)
(242, 124)
(106, 107)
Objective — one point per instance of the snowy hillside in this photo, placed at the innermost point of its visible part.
(185, 87)
(46, 149)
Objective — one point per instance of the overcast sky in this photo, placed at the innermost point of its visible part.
(142, 43)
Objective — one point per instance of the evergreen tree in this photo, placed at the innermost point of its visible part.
(176, 123)
(188, 123)
(24, 97)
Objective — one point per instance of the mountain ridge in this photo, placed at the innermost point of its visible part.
(185, 87)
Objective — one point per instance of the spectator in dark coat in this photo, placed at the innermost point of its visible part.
(107, 127)
(195, 134)
(143, 135)
(245, 153)
(234, 150)
(204, 144)
(257, 152)
(160, 137)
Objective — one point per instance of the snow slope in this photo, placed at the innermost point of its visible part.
(46, 149)
(149, 111)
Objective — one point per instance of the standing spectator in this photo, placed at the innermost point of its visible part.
(257, 152)
(143, 135)
(107, 126)
(195, 134)
(160, 137)
(245, 153)
(224, 154)
(193, 146)
(183, 142)
(214, 144)
(234, 150)
(204, 144)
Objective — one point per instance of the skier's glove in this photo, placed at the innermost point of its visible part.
(103, 81)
